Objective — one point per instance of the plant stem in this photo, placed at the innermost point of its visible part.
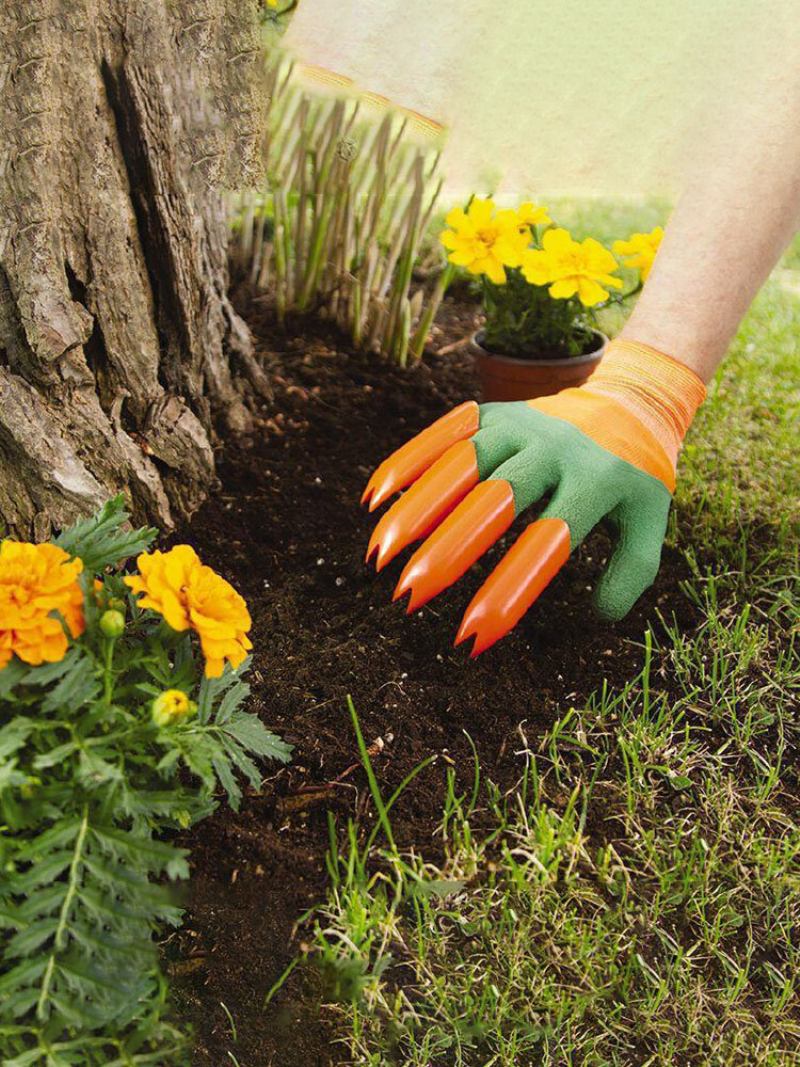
(107, 672)
(63, 916)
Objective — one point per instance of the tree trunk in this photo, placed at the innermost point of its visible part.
(120, 354)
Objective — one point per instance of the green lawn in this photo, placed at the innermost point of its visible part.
(636, 900)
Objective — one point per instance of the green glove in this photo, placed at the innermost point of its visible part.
(607, 449)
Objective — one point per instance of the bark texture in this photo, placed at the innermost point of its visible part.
(120, 123)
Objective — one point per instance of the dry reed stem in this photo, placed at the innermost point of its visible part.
(339, 225)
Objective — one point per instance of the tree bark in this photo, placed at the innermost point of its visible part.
(120, 353)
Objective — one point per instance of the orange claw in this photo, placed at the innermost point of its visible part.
(479, 520)
(518, 579)
(407, 463)
(426, 503)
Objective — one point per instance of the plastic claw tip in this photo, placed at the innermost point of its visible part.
(477, 522)
(422, 507)
(406, 464)
(515, 583)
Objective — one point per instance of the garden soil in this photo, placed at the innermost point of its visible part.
(285, 527)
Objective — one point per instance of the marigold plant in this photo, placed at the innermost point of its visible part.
(112, 735)
(540, 285)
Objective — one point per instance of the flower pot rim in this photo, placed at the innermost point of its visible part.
(572, 361)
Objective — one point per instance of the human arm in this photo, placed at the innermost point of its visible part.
(738, 212)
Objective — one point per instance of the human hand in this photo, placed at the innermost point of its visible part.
(606, 449)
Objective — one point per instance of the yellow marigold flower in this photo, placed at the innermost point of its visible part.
(530, 214)
(485, 241)
(173, 705)
(639, 251)
(571, 268)
(191, 595)
(37, 584)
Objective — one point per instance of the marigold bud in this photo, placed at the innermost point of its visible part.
(171, 706)
(112, 623)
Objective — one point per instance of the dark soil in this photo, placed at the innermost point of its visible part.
(286, 528)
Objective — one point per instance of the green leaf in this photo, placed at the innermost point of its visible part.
(157, 854)
(54, 756)
(41, 872)
(14, 735)
(94, 771)
(213, 688)
(10, 676)
(232, 700)
(78, 687)
(44, 902)
(243, 763)
(46, 673)
(253, 735)
(32, 937)
(15, 1005)
(10, 776)
(227, 781)
(100, 541)
(23, 974)
(62, 833)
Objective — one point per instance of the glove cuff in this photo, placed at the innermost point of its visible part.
(663, 393)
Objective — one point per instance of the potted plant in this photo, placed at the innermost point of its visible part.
(540, 289)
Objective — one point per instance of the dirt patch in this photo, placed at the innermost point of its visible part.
(285, 527)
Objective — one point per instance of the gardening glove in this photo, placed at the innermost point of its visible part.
(606, 449)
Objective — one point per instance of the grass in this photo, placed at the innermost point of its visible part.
(636, 898)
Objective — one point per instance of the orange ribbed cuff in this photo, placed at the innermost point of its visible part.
(663, 393)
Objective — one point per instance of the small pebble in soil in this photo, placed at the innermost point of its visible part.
(320, 561)
(340, 581)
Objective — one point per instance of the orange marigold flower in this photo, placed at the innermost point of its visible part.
(191, 595)
(37, 584)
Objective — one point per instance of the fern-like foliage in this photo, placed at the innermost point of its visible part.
(89, 787)
(101, 541)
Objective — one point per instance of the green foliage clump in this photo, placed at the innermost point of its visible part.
(523, 321)
(91, 781)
